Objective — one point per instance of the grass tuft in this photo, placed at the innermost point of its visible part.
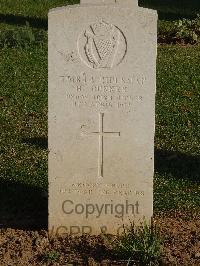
(51, 257)
(142, 244)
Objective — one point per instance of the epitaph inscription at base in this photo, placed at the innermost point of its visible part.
(102, 81)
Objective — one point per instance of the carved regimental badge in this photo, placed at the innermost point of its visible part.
(102, 45)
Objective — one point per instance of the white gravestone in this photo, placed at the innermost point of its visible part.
(102, 82)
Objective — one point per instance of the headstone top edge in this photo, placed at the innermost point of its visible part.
(106, 2)
(148, 10)
(63, 8)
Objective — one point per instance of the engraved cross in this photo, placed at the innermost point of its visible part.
(101, 133)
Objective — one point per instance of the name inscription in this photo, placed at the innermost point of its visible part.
(104, 91)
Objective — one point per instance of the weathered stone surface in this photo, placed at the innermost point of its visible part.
(102, 81)
(97, 2)
(121, 2)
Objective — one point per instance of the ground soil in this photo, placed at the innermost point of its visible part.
(181, 245)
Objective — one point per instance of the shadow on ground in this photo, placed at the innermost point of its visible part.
(38, 23)
(173, 9)
(178, 165)
(39, 142)
(23, 206)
